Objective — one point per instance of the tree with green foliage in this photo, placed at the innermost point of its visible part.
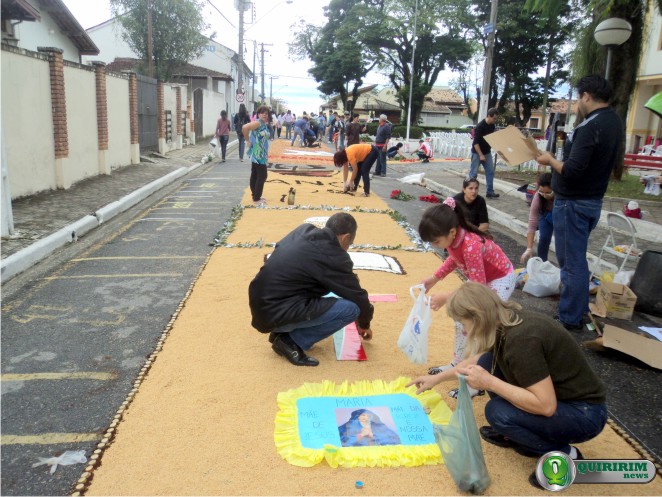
(177, 27)
(362, 34)
(589, 58)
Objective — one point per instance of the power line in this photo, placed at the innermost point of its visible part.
(222, 15)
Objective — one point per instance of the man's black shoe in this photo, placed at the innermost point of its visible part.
(292, 352)
(492, 195)
(492, 436)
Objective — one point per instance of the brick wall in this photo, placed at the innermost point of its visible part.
(133, 104)
(58, 101)
(160, 106)
(178, 92)
(102, 104)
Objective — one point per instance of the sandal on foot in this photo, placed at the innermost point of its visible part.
(472, 391)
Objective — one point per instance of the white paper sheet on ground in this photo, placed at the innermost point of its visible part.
(319, 221)
(307, 152)
(375, 262)
(655, 332)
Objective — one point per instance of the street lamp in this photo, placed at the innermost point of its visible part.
(611, 33)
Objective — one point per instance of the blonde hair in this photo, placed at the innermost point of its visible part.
(487, 311)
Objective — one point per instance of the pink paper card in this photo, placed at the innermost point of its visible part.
(349, 346)
(383, 297)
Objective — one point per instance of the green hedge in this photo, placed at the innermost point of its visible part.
(414, 132)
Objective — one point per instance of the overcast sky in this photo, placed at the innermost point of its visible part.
(271, 26)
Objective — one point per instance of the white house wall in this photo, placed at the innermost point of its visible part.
(80, 94)
(109, 41)
(45, 33)
(214, 103)
(27, 123)
(652, 57)
(119, 124)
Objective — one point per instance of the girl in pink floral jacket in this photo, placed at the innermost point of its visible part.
(472, 252)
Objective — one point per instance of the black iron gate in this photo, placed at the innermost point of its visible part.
(148, 133)
(197, 112)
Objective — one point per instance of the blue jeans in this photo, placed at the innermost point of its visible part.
(364, 169)
(489, 169)
(297, 132)
(223, 140)
(308, 333)
(573, 422)
(288, 130)
(242, 144)
(545, 228)
(380, 168)
(573, 222)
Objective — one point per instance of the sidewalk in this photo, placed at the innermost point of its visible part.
(46, 221)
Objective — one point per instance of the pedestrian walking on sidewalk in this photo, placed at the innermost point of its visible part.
(474, 253)
(223, 133)
(288, 297)
(241, 118)
(579, 182)
(481, 151)
(257, 134)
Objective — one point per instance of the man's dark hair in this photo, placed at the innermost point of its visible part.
(596, 86)
(492, 112)
(354, 116)
(545, 179)
(342, 223)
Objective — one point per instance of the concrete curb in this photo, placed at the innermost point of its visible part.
(29, 256)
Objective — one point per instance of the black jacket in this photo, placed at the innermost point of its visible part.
(306, 264)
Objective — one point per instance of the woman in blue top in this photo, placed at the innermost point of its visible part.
(257, 135)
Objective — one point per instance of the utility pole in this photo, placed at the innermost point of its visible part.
(240, 69)
(262, 50)
(485, 93)
(150, 48)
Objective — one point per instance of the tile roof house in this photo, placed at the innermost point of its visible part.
(31, 24)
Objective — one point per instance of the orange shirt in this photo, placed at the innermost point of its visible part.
(357, 153)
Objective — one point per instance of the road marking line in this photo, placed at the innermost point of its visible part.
(49, 438)
(168, 219)
(83, 375)
(144, 275)
(124, 258)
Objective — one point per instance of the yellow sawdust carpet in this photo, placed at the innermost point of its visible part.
(202, 422)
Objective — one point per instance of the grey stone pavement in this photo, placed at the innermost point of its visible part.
(39, 216)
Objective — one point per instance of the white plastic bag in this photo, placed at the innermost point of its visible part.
(213, 143)
(544, 278)
(67, 458)
(414, 179)
(413, 339)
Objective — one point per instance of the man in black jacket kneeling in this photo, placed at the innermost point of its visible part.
(288, 297)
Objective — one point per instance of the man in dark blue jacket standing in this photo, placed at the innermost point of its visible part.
(288, 296)
(579, 183)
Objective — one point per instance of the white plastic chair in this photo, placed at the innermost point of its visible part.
(620, 229)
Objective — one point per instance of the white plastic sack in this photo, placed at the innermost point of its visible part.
(544, 278)
(624, 277)
(213, 143)
(413, 339)
(414, 179)
(67, 458)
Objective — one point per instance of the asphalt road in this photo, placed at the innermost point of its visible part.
(96, 310)
(92, 314)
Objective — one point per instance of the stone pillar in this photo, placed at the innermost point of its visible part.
(160, 116)
(178, 118)
(59, 113)
(133, 118)
(102, 115)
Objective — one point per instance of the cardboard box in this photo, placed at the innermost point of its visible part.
(646, 349)
(614, 301)
(512, 146)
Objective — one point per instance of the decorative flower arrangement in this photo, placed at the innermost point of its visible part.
(433, 199)
(400, 195)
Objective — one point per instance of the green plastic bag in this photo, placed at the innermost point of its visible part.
(459, 442)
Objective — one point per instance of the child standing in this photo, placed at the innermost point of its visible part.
(477, 256)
